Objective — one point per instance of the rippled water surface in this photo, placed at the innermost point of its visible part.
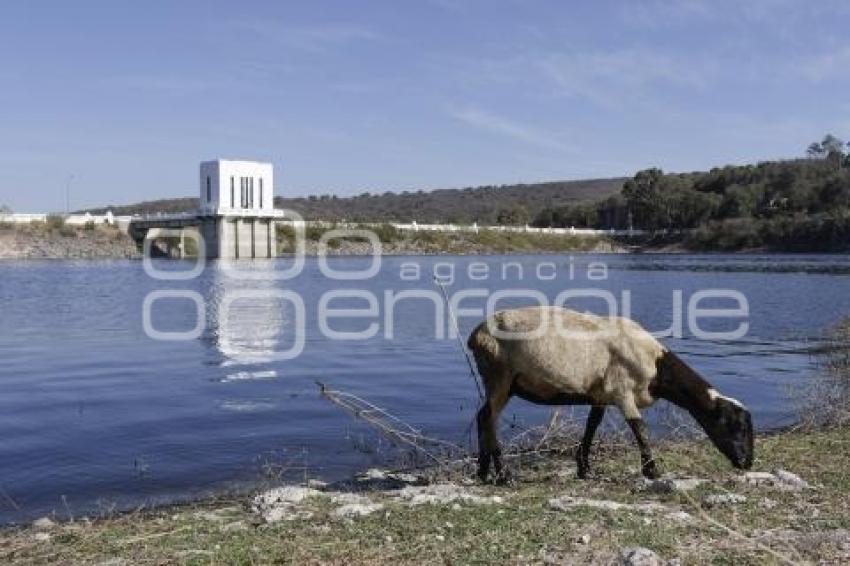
(95, 414)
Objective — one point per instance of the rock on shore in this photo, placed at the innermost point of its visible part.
(29, 242)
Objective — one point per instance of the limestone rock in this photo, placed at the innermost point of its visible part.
(351, 510)
(790, 481)
(671, 485)
(781, 479)
(383, 478)
(758, 478)
(287, 494)
(567, 502)
(724, 499)
(639, 556)
(680, 516)
(345, 498)
(441, 494)
(280, 504)
(43, 524)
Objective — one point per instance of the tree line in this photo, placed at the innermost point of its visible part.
(812, 191)
(487, 205)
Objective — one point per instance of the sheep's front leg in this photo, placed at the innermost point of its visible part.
(597, 412)
(638, 426)
(648, 467)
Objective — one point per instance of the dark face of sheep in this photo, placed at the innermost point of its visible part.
(730, 428)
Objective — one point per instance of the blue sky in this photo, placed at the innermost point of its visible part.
(347, 97)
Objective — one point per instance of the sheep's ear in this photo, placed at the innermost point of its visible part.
(719, 399)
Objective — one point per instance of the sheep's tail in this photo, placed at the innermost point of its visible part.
(474, 340)
(486, 350)
(481, 342)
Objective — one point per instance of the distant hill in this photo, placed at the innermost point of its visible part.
(505, 204)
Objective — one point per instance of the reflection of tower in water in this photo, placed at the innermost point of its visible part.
(248, 322)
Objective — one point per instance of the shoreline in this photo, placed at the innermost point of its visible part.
(138, 257)
(39, 242)
(791, 505)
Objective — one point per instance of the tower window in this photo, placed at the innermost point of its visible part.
(209, 189)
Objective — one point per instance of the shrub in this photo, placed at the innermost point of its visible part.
(314, 233)
(55, 222)
(386, 233)
(732, 234)
(432, 241)
(826, 400)
(797, 233)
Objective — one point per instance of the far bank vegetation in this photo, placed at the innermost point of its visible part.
(396, 241)
(796, 205)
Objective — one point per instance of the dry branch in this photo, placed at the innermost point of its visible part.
(390, 425)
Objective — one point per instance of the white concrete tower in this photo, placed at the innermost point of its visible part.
(231, 187)
(236, 208)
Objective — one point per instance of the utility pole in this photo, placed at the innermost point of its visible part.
(68, 195)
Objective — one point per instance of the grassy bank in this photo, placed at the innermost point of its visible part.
(520, 525)
(402, 242)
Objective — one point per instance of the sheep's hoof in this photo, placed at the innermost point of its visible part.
(582, 464)
(582, 467)
(650, 470)
(504, 478)
(483, 467)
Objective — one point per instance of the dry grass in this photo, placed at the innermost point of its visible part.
(810, 525)
(826, 400)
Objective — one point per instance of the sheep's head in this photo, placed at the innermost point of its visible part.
(730, 427)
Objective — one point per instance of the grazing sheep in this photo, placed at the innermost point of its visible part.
(555, 356)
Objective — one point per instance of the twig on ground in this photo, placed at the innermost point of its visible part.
(387, 423)
(9, 499)
(550, 427)
(134, 540)
(737, 534)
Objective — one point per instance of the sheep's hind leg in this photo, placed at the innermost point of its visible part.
(488, 442)
(597, 412)
(648, 466)
(486, 435)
